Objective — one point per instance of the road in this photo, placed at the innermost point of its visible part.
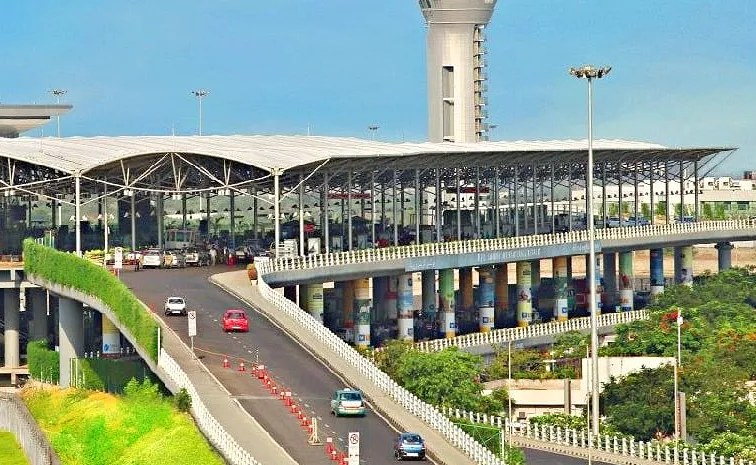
(291, 365)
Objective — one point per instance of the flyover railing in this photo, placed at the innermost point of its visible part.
(214, 431)
(650, 451)
(499, 336)
(426, 412)
(486, 245)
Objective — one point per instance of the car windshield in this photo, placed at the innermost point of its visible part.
(350, 396)
(176, 300)
(412, 438)
(235, 316)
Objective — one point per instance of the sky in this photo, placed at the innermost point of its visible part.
(684, 71)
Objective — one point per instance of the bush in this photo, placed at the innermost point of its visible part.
(491, 438)
(68, 270)
(110, 375)
(183, 401)
(44, 364)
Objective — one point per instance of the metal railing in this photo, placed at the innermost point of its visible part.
(214, 431)
(499, 336)
(487, 245)
(426, 412)
(652, 451)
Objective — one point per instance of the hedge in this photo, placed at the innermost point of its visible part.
(102, 374)
(44, 364)
(68, 270)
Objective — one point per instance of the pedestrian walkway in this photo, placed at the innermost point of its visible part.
(238, 284)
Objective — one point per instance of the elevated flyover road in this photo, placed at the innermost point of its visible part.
(290, 364)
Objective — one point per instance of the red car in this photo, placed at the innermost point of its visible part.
(235, 320)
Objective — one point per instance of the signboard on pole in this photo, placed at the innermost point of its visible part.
(353, 452)
(118, 258)
(192, 319)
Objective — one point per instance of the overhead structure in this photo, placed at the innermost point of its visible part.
(17, 119)
(456, 59)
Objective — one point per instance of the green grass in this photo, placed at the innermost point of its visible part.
(139, 428)
(11, 452)
(68, 270)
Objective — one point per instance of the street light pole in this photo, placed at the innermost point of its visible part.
(200, 94)
(373, 128)
(509, 389)
(590, 73)
(58, 93)
(677, 388)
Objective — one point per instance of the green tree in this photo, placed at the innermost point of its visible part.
(526, 364)
(613, 209)
(645, 210)
(388, 359)
(661, 208)
(707, 211)
(570, 344)
(447, 378)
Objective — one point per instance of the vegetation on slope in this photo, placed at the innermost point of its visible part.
(11, 452)
(139, 428)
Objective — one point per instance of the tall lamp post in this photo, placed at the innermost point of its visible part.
(200, 94)
(58, 93)
(678, 407)
(590, 73)
(373, 128)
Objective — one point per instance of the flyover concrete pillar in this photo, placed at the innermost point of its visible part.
(429, 295)
(38, 323)
(656, 268)
(363, 306)
(467, 300)
(12, 319)
(535, 278)
(485, 299)
(724, 255)
(405, 307)
(392, 309)
(561, 292)
(501, 295)
(313, 300)
(597, 278)
(447, 303)
(524, 296)
(111, 338)
(684, 265)
(610, 280)
(626, 281)
(380, 287)
(70, 335)
(347, 307)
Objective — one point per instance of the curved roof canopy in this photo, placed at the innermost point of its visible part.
(283, 153)
(17, 119)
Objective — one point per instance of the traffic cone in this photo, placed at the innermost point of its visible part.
(261, 371)
(241, 365)
(225, 362)
(329, 445)
(333, 454)
(288, 398)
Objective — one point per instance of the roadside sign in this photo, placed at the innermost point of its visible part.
(354, 448)
(118, 258)
(192, 319)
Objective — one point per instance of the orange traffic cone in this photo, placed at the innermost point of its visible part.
(241, 365)
(225, 362)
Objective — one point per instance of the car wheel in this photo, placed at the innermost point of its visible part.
(398, 456)
(166, 312)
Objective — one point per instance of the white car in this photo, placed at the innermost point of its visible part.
(152, 259)
(174, 306)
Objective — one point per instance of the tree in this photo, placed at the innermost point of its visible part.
(645, 210)
(447, 378)
(526, 364)
(708, 211)
(388, 359)
(570, 344)
(613, 209)
(661, 208)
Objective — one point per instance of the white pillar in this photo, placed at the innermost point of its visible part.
(11, 317)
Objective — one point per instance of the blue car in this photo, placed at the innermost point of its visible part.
(409, 446)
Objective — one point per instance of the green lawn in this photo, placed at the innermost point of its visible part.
(139, 428)
(11, 452)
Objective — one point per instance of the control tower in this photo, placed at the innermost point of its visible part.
(457, 68)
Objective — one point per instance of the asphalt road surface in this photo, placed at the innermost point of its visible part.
(310, 382)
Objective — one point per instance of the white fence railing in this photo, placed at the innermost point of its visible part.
(486, 245)
(552, 328)
(426, 412)
(216, 434)
(654, 451)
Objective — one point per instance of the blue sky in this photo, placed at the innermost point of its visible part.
(684, 71)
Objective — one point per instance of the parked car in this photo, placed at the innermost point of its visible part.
(409, 446)
(235, 320)
(174, 306)
(196, 257)
(152, 259)
(347, 402)
(613, 222)
(242, 254)
(173, 259)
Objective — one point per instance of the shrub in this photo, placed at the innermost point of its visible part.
(44, 364)
(68, 270)
(183, 400)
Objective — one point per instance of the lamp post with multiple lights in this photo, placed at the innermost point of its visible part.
(200, 94)
(590, 73)
(373, 128)
(58, 93)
